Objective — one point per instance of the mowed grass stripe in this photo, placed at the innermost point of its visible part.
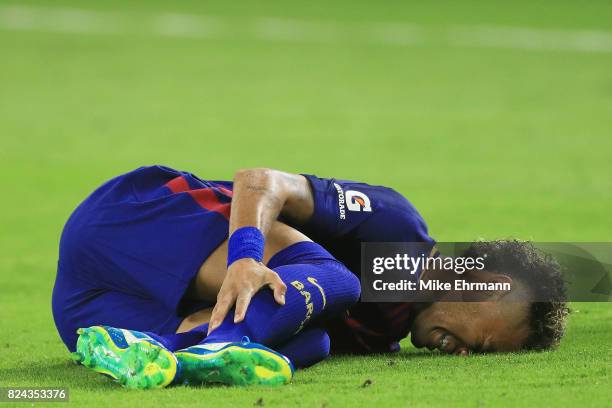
(83, 21)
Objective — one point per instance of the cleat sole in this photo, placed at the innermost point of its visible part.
(234, 365)
(141, 365)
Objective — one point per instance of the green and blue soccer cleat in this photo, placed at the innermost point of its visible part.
(237, 363)
(130, 357)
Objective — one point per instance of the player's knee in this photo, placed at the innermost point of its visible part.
(355, 286)
(320, 347)
(307, 348)
(350, 283)
(339, 286)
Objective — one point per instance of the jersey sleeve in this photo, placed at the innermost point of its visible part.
(367, 213)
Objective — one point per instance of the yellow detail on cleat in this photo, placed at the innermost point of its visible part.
(263, 372)
(234, 365)
(140, 365)
(151, 369)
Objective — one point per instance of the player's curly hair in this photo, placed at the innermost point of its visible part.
(542, 274)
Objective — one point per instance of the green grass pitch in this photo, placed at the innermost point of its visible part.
(487, 135)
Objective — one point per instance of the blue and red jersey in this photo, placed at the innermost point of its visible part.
(162, 223)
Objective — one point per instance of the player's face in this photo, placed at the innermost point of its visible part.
(464, 327)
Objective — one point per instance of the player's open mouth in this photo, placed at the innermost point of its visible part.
(447, 343)
(443, 342)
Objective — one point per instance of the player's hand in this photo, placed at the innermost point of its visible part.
(244, 278)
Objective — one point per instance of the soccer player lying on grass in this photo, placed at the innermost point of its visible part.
(151, 291)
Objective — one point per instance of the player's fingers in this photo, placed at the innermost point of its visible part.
(278, 286)
(242, 304)
(224, 304)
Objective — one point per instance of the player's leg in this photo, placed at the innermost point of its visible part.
(323, 286)
(143, 359)
(307, 348)
(313, 290)
(118, 267)
(304, 349)
(317, 284)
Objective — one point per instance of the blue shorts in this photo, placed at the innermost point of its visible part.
(130, 251)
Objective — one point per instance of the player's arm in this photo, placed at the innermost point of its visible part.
(260, 196)
(340, 209)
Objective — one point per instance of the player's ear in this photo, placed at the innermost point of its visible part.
(503, 281)
(492, 279)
